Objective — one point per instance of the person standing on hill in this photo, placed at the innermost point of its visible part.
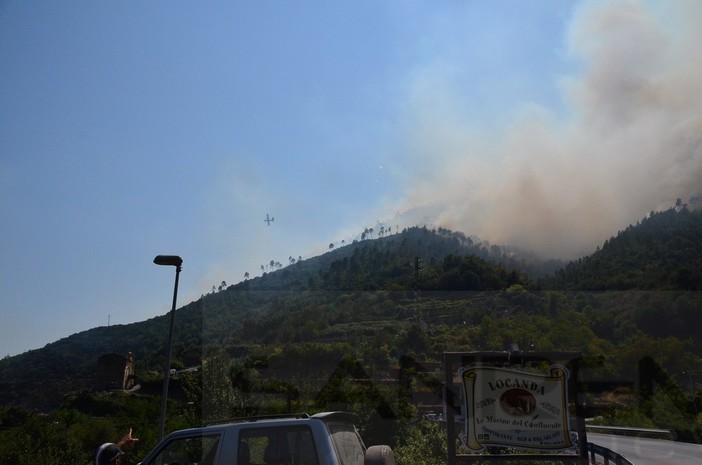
(128, 380)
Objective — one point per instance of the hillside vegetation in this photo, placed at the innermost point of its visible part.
(363, 328)
(662, 252)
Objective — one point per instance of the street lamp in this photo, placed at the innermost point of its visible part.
(168, 260)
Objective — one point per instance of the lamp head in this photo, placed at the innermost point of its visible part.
(171, 260)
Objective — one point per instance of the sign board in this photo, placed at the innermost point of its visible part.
(512, 408)
(514, 405)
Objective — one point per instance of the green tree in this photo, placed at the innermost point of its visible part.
(423, 445)
(212, 394)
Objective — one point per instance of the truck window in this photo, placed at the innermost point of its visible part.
(292, 445)
(348, 443)
(193, 450)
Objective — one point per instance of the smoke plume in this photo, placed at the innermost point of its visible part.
(561, 182)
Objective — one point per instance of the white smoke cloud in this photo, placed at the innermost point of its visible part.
(560, 183)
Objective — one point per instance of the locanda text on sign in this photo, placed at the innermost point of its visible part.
(500, 384)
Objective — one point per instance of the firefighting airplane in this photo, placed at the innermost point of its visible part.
(269, 219)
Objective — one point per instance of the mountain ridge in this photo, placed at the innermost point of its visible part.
(317, 299)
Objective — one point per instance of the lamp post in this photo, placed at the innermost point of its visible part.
(168, 260)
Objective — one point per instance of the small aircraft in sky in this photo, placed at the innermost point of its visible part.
(269, 219)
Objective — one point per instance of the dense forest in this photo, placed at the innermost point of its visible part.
(363, 328)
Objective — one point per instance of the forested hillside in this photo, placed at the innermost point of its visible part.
(662, 252)
(432, 260)
(363, 327)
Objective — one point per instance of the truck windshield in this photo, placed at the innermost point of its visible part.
(348, 444)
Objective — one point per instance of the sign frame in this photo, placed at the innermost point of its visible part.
(561, 368)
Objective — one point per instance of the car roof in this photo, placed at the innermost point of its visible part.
(336, 416)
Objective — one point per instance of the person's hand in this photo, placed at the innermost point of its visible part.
(127, 440)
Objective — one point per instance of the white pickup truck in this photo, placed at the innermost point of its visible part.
(329, 438)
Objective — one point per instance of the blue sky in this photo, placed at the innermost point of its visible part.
(131, 129)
